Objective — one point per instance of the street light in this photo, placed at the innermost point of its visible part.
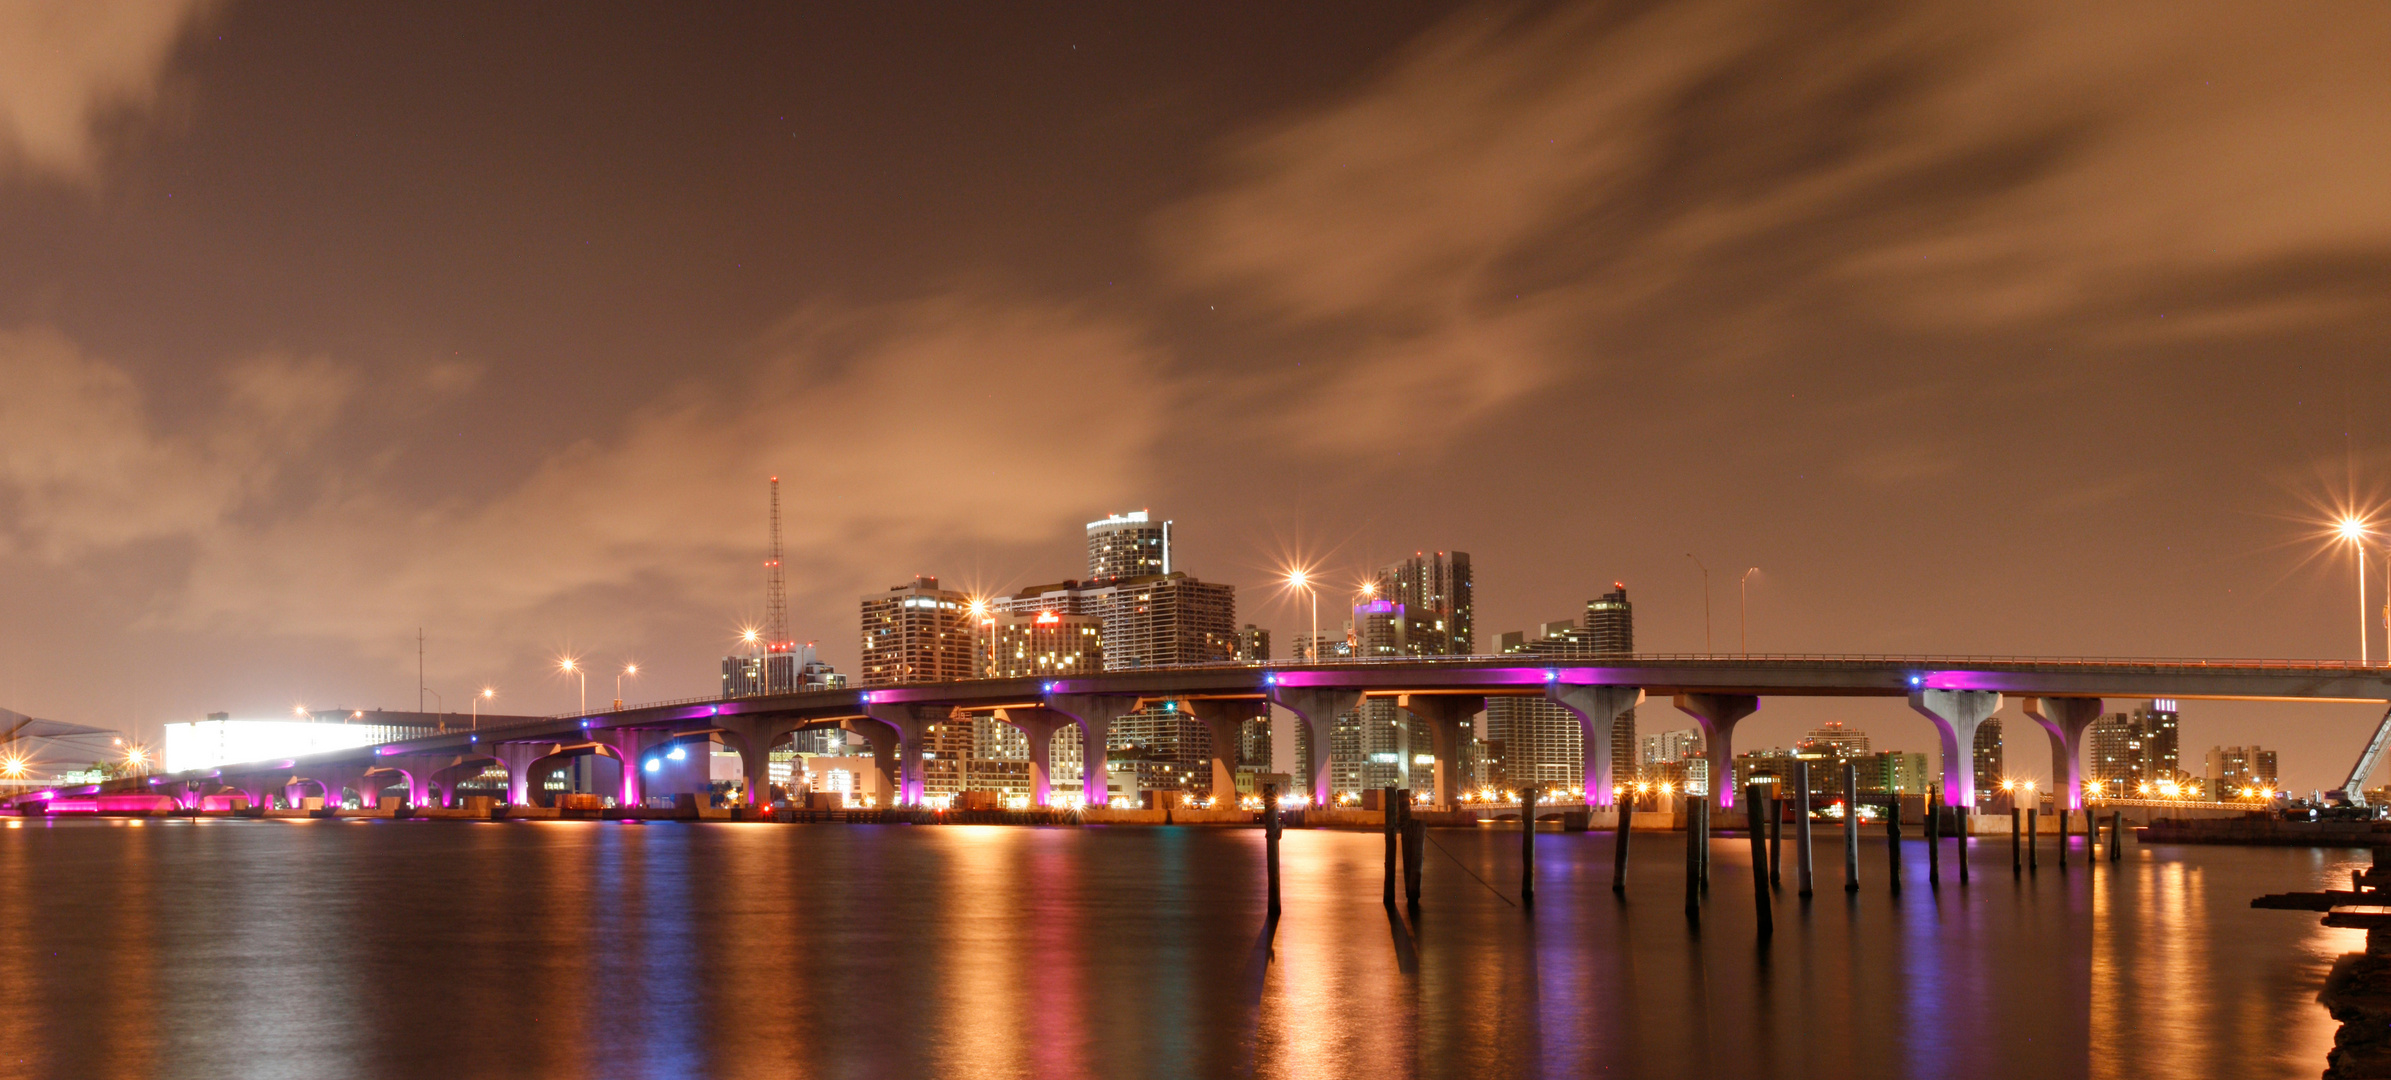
(1743, 612)
(1300, 578)
(1705, 604)
(628, 669)
(572, 666)
(2353, 529)
(485, 695)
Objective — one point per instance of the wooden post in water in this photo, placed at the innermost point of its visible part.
(2065, 837)
(1270, 832)
(1527, 845)
(2017, 865)
(1801, 824)
(1693, 857)
(1961, 827)
(2116, 835)
(1394, 829)
(1702, 854)
(2033, 839)
(1776, 838)
(1411, 860)
(1934, 839)
(1752, 801)
(1893, 840)
(1851, 827)
(1627, 816)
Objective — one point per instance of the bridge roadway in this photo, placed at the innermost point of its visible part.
(1957, 694)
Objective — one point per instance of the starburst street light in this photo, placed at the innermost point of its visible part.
(1301, 578)
(628, 669)
(2353, 529)
(13, 766)
(486, 694)
(571, 665)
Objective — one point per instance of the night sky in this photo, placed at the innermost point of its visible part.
(1992, 328)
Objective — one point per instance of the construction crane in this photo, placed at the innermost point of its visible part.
(2353, 790)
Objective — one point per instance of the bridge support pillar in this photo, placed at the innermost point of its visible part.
(911, 723)
(884, 756)
(1598, 709)
(1037, 725)
(2065, 719)
(1226, 722)
(1718, 714)
(1319, 706)
(1444, 715)
(754, 740)
(631, 747)
(1095, 713)
(517, 757)
(1956, 715)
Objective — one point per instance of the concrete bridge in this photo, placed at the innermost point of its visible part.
(1957, 694)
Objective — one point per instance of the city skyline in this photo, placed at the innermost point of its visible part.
(2055, 378)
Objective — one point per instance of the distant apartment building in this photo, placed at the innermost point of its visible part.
(1126, 546)
(2130, 749)
(1835, 739)
(1534, 738)
(1887, 772)
(1030, 645)
(2233, 769)
(917, 633)
(1253, 644)
(1991, 761)
(778, 673)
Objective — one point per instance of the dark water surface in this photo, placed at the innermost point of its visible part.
(327, 949)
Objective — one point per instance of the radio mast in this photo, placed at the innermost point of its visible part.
(776, 605)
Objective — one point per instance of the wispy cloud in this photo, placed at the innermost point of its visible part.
(65, 63)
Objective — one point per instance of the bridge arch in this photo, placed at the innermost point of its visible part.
(536, 774)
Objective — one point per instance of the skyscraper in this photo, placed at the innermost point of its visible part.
(1608, 630)
(2136, 748)
(1611, 623)
(2234, 768)
(1435, 597)
(916, 633)
(1028, 645)
(1131, 545)
(1990, 763)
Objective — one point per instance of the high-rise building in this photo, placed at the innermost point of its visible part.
(782, 672)
(2232, 769)
(1169, 749)
(1834, 738)
(1125, 546)
(1893, 772)
(1148, 622)
(1253, 644)
(1434, 599)
(916, 633)
(1608, 630)
(1611, 623)
(1991, 763)
(1012, 645)
(2136, 748)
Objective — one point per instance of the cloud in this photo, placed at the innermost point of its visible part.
(1528, 198)
(899, 431)
(65, 63)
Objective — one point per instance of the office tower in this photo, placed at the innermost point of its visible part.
(2132, 749)
(1157, 621)
(792, 670)
(1611, 623)
(1125, 546)
(916, 633)
(1253, 644)
(2232, 769)
(1009, 645)
(1991, 762)
(1435, 596)
(1834, 738)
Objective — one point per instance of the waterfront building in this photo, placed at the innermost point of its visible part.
(1012, 645)
(2234, 768)
(1834, 738)
(1166, 746)
(1436, 594)
(1147, 622)
(1991, 762)
(778, 673)
(1772, 766)
(916, 633)
(2133, 749)
(1893, 772)
(1126, 546)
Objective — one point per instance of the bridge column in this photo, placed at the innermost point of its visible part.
(2065, 719)
(1095, 713)
(1597, 709)
(1226, 721)
(1718, 715)
(517, 757)
(754, 740)
(911, 724)
(631, 746)
(1037, 724)
(1319, 706)
(1444, 715)
(884, 755)
(1956, 715)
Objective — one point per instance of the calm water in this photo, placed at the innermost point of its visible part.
(326, 949)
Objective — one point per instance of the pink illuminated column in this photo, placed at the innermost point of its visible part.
(1956, 715)
(2066, 719)
(1718, 715)
(1597, 709)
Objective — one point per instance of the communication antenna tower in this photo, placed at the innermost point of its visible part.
(776, 602)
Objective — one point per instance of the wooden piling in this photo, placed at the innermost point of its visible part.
(2033, 839)
(2065, 838)
(1702, 854)
(1627, 814)
(1893, 841)
(2017, 864)
(1693, 857)
(1960, 828)
(1393, 830)
(1776, 841)
(1753, 801)
(2116, 835)
(1801, 824)
(1415, 849)
(1270, 832)
(1851, 827)
(1527, 845)
(1934, 840)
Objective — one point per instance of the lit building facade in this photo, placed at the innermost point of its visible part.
(1126, 546)
(2231, 769)
(1042, 643)
(2130, 749)
(916, 633)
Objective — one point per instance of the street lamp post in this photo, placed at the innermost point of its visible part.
(572, 667)
(628, 669)
(1300, 579)
(485, 695)
(1705, 603)
(440, 724)
(1743, 612)
(2354, 530)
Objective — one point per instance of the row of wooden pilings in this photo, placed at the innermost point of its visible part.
(1406, 840)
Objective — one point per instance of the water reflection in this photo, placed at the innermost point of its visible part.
(568, 949)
